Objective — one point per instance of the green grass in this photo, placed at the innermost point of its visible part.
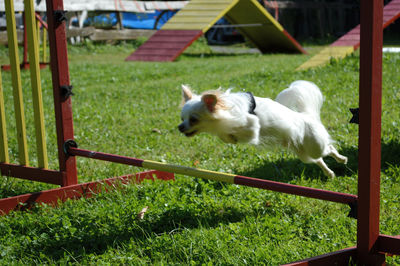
(132, 109)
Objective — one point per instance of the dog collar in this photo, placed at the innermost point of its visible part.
(252, 106)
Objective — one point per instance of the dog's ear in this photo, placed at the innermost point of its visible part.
(210, 100)
(186, 93)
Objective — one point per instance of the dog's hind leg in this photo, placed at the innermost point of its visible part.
(328, 172)
(335, 154)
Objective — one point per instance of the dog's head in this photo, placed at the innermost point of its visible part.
(199, 111)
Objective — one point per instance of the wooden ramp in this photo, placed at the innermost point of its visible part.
(198, 16)
(350, 42)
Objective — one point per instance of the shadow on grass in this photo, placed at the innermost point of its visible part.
(87, 238)
(291, 169)
(286, 170)
(96, 235)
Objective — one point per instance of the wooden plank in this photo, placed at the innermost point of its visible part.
(176, 22)
(4, 37)
(391, 12)
(199, 13)
(16, 83)
(57, 195)
(185, 19)
(174, 39)
(4, 158)
(125, 34)
(33, 49)
(177, 33)
(172, 45)
(326, 54)
(270, 36)
(341, 257)
(82, 32)
(164, 51)
(189, 26)
(156, 45)
(31, 173)
(389, 244)
(152, 58)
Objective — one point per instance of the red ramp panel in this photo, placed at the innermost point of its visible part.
(165, 45)
(349, 42)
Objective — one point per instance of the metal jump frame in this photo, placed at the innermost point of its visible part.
(371, 245)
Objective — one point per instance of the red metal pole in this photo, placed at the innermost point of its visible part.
(60, 74)
(369, 143)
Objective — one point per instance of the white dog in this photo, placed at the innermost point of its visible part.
(292, 120)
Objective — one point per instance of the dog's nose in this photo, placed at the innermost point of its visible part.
(181, 127)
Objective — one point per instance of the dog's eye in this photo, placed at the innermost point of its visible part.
(193, 120)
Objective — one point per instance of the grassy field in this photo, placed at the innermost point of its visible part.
(133, 109)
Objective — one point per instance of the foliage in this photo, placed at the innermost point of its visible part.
(132, 109)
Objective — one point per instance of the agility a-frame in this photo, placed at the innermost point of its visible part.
(198, 16)
(371, 245)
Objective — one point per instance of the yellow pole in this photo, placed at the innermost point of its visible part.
(16, 82)
(44, 45)
(37, 24)
(33, 50)
(3, 132)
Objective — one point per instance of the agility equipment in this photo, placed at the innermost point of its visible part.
(371, 245)
(33, 44)
(198, 16)
(350, 42)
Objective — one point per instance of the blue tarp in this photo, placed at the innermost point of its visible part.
(129, 20)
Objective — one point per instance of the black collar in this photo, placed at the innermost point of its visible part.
(252, 106)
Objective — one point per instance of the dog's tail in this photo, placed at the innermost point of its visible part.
(303, 97)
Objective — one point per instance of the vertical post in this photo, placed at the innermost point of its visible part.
(369, 143)
(16, 83)
(25, 63)
(44, 46)
(60, 77)
(3, 132)
(33, 49)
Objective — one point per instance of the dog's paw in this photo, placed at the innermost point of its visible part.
(330, 173)
(342, 159)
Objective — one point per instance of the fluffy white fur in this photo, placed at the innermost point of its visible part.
(292, 120)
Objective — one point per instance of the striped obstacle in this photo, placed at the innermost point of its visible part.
(350, 42)
(218, 176)
(198, 16)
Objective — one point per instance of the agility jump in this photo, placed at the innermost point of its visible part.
(371, 245)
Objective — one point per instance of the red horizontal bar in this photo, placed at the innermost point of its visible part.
(53, 196)
(341, 257)
(389, 244)
(241, 180)
(106, 157)
(296, 190)
(32, 173)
